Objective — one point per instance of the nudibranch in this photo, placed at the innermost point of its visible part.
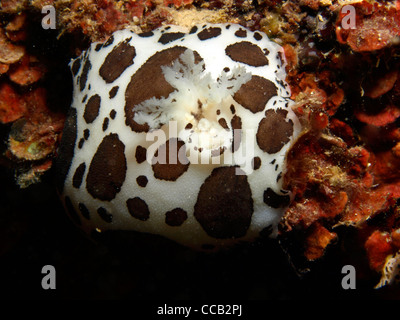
(179, 133)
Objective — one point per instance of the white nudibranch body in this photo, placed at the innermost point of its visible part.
(179, 133)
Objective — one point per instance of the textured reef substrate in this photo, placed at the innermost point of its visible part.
(343, 171)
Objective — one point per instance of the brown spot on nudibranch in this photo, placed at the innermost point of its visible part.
(209, 33)
(274, 200)
(146, 34)
(142, 181)
(78, 175)
(241, 33)
(138, 208)
(255, 93)
(236, 124)
(92, 108)
(257, 36)
(113, 92)
(223, 124)
(84, 211)
(76, 66)
(105, 215)
(256, 163)
(145, 85)
(98, 47)
(105, 124)
(108, 169)
(224, 204)
(119, 59)
(140, 154)
(170, 168)
(274, 131)
(247, 53)
(109, 42)
(170, 36)
(175, 217)
(83, 78)
(86, 134)
(81, 142)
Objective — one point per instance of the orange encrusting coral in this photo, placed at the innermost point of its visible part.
(377, 26)
(35, 129)
(378, 246)
(337, 176)
(317, 241)
(11, 105)
(37, 136)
